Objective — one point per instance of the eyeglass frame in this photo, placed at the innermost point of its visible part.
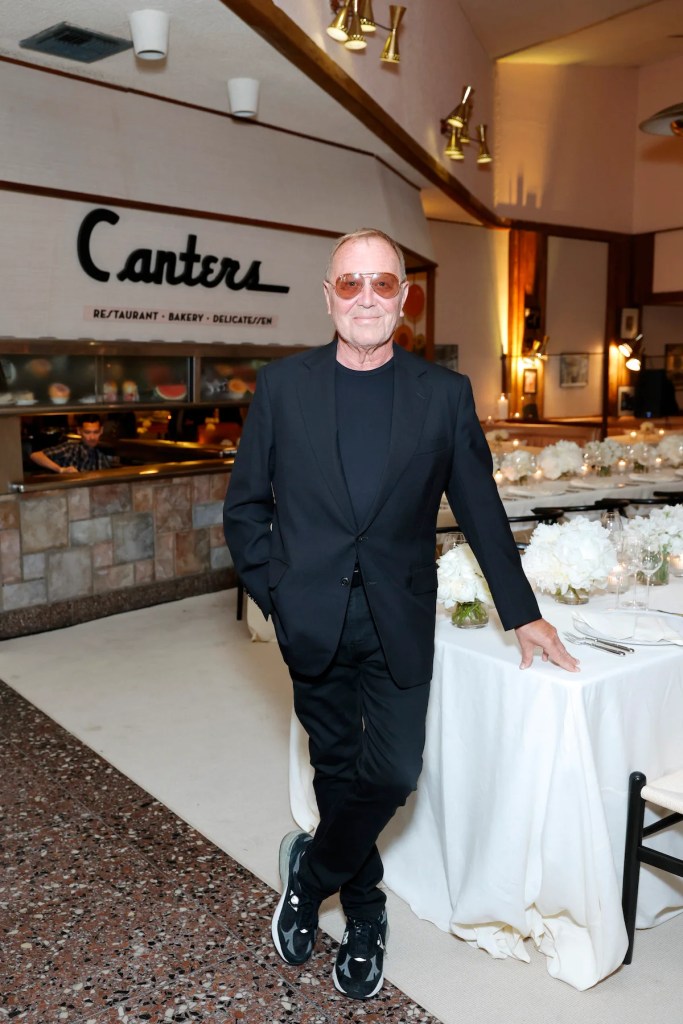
(374, 275)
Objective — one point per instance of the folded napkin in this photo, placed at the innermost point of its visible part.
(639, 628)
(590, 483)
(662, 477)
(520, 492)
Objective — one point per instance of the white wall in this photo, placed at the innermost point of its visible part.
(575, 322)
(471, 308)
(565, 145)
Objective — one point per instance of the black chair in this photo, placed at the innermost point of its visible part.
(666, 792)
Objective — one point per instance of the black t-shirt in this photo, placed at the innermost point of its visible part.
(364, 409)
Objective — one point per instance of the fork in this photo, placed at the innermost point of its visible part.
(599, 645)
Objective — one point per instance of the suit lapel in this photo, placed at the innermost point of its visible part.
(319, 409)
(411, 401)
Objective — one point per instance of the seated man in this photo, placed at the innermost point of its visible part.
(77, 456)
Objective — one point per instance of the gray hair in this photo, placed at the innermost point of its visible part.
(367, 233)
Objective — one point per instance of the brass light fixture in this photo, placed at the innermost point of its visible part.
(354, 20)
(457, 125)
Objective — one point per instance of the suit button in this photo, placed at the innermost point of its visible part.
(345, 581)
(362, 538)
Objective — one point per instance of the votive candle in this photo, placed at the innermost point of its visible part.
(498, 477)
(676, 564)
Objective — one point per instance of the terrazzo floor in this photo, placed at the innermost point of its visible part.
(113, 909)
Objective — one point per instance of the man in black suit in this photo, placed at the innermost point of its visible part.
(330, 516)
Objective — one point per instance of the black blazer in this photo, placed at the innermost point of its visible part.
(291, 530)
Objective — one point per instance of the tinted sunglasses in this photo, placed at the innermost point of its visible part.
(349, 286)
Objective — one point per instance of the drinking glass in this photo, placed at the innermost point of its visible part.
(451, 540)
(611, 521)
(629, 557)
(649, 560)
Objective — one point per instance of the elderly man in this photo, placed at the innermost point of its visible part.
(330, 516)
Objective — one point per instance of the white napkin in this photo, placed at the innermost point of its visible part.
(654, 478)
(520, 492)
(618, 625)
(590, 483)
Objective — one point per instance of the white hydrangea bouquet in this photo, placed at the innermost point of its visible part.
(517, 466)
(670, 449)
(663, 526)
(462, 587)
(564, 458)
(570, 559)
(496, 436)
(602, 455)
(643, 455)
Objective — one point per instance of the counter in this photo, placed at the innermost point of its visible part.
(78, 547)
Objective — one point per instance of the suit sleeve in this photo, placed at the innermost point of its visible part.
(249, 504)
(473, 497)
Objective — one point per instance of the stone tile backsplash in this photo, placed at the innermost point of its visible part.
(58, 546)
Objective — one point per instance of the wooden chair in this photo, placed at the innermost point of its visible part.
(666, 792)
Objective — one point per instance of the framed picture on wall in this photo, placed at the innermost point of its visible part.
(573, 369)
(673, 363)
(446, 355)
(530, 382)
(625, 395)
(629, 323)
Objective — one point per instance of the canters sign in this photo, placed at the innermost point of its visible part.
(160, 266)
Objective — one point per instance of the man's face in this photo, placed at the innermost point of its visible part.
(90, 433)
(368, 319)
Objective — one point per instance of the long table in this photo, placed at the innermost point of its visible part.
(517, 827)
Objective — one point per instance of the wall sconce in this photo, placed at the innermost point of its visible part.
(456, 127)
(149, 30)
(633, 352)
(536, 350)
(243, 96)
(354, 20)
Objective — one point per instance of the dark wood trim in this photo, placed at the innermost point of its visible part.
(288, 39)
(568, 231)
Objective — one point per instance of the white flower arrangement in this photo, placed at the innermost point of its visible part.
(671, 449)
(517, 465)
(646, 427)
(603, 454)
(496, 436)
(560, 459)
(662, 526)
(573, 556)
(460, 579)
(643, 454)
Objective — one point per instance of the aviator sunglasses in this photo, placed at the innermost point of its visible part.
(349, 286)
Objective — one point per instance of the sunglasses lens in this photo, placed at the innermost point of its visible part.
(348, 286)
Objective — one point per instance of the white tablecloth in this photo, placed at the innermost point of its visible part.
(517, 827)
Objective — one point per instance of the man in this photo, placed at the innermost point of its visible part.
(330, 516)
(76, 456)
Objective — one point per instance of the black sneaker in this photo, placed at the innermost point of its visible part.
(359, 970)
(295, 921)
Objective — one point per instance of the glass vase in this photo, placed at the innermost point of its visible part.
(470, 615)
(572, 595)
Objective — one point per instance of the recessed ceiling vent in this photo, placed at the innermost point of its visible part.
(74, 43)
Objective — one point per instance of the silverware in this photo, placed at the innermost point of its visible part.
(610, 643)
(599, 645)
(664, 612)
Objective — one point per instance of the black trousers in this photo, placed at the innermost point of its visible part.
(366, 737)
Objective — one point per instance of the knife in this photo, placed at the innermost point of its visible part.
(664, 612)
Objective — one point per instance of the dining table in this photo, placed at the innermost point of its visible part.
(515, 835)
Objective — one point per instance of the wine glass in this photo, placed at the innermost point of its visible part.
(629, 557)
(611, 521)
(451, 540)
(649, 560)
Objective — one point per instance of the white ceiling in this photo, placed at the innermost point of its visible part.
(210, 44)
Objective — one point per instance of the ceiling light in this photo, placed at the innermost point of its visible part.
(354, 20)
(149, 30)
(665, 122)
(243, 96)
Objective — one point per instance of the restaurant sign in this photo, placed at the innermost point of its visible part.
(179, 316)
(161, 266)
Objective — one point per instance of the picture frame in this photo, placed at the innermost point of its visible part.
(630, 317)
(529, 382)
(573, 369)
(673, 364)
(625, 399)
